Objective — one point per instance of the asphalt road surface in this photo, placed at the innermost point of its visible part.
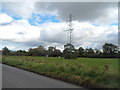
(18, 78)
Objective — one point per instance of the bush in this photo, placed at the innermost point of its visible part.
(70, 56)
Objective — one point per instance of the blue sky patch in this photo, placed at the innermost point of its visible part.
(10, 14)
(114, 24)
(37, 19)
(96, 24)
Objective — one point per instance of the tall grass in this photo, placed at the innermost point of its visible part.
(87, 72)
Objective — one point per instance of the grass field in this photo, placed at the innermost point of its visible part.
(86, 72)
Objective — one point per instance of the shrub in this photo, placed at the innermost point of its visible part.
(70, 56)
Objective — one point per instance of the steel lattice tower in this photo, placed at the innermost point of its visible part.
(69, 48)
(70, 29)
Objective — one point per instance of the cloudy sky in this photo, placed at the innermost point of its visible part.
(26, 25)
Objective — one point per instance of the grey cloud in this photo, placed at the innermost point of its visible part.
(21, 9)
(58, 37)
(82, 11)
(20, 33)
(46, 44)
(32, 43)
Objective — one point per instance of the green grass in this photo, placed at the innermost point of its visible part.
(86, 72)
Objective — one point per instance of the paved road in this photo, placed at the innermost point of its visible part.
(18, 78)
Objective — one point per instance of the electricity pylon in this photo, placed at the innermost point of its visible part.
(70, 30)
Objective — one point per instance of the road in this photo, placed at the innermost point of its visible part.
(18, 78)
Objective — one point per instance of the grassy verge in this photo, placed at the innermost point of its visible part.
(86, 72)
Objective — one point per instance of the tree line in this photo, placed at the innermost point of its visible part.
(108, 51)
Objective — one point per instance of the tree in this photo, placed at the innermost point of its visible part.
(88, 52)
(109, 48)
(50, 51)
(5, 51)
(39, 51)
(20, 53)
(69, 51)
(51, 48)
(80, 52)
(56, 53)
(98, 51)
(32, 52)
(53, 52)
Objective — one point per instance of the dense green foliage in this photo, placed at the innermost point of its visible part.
(5, 51)
(70, 56)
(109, 51)
(87, 72)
